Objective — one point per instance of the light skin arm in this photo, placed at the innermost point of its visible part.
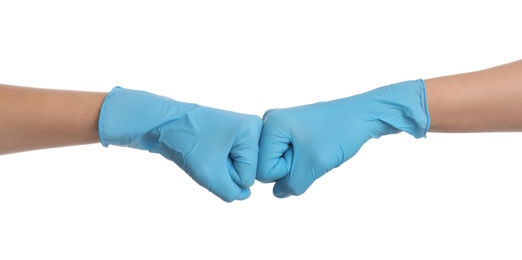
(35, 118)
(488, 100)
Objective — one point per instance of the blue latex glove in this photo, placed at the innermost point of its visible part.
(300, 144)
(217, 148)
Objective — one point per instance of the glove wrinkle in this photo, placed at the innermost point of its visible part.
(324, 135)
(202, 141)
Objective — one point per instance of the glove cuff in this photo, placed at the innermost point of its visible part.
(404, 107)
(128, 116)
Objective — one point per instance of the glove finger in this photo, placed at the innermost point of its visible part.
(308, 165)
(214, 175)
(245, 194)
(227, 189)
(275, 152)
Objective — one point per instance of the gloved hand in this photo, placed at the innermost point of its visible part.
(300, 144)
(217, 148)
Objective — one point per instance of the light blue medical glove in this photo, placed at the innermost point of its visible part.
(300, 144)
(217, 148)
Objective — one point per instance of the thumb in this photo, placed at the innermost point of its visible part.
(244, 153)
(299, 179)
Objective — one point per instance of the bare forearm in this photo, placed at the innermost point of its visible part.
(489, 100)
(33, 118)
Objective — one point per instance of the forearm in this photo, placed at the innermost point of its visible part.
(33, 118)
(489, 100)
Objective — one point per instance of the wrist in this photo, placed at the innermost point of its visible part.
(400, 107)
(127, 116)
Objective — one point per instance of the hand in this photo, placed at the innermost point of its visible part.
(217, 148)
(300, 144)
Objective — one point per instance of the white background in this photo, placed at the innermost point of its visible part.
(449, 196)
